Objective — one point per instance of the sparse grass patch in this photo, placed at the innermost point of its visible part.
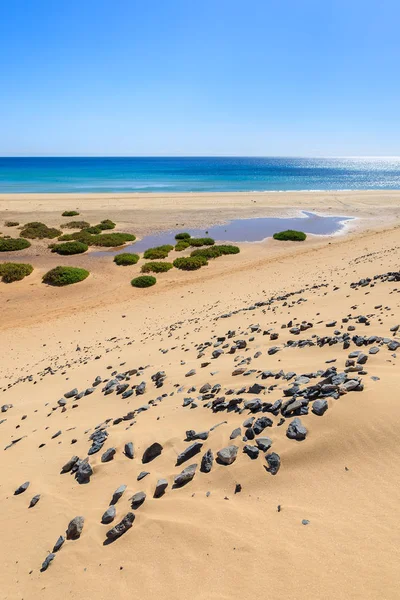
(70, 213)
(156, 267)
(158, 252)
(190, 263)
(61, 276)
(182, 245)
(206, 241)
(143, 281)
(13, 244)
(69, 248)
(216, 251)
(36, 230)
(10, 272)
(11, 223)
(290, 235)
(182, 236)
(76, 225)
(126, 259)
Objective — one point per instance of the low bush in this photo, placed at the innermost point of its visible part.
(216, 251)
(94, 229)
(126, 259)
(206, 241)
(13, 244)
(158, 252)
(70, 213)
(76, 225)
(69, 248)
(190, 263)
(10, 272)
(182, 236)
(290, 235)
(109, 240)
(11, 223)
(106, 224)
(61, 276)
(143, 281)
(36, 230)
(156, 267)
(182, 245)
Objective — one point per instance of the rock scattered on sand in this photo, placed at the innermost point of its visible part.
(22, 488)
(152, 452)
(121, 528)
(161, 486)
(227, 455)
(75, 528)
(109, 515)
(185, 476)
(296, 430)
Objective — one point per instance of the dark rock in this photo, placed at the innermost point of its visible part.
(190, 451)
(296, 430)
(129, 450)
(161, 486)
(137, 500)
(68, 465)
(34, 501)
(84, 472)
(185, 476)
(109, 515)
(274, 462)
(58, 543)
(227, 455)
(207, 462)
(152, 452)
(263, 443)
(108, 455)
(142, 475)
(71, 394)
(45, 564)
(319, 407)
(22, 488)
(75, 528)
(121, 528)
(251, 451)
(117, 494)
(235, 433)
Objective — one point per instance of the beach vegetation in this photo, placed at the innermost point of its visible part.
(36, 230)
(126, 259)
(11, 223)
(157, 267)
(182, 245)
(8, 244)
(290, 235)
(182, 236)
(143, 281)
(76, 225)
(158, 252)
(10, 272)
(61, 276)
(69, 248)
(70, 213)
(216, 251)
(190, 263)
(106, 224)
(109, 240)
(206, 241)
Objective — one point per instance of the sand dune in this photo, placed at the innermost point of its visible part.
(203, 540)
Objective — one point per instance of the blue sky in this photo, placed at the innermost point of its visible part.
(199, 77)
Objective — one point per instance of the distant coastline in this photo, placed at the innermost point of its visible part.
(196, 175)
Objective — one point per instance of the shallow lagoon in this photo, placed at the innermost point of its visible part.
(243, 230)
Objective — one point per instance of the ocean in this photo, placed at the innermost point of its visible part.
(201, 174)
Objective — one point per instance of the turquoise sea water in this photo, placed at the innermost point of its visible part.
(196, 174)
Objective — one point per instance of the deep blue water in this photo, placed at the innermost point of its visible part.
(196, 174)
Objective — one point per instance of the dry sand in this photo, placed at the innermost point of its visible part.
(343, 478)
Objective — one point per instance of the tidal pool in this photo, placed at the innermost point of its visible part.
(241, 230)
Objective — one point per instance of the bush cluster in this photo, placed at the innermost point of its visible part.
(69, 248)
(190, 263)
(10, 272)
(61, 276)
(216, 251)
(70, 213)
(11, 223)
(182, 245)
(13, 244)
(156, 267)
(206, 241)
(106, 224)
(182, 236)
(36, 230)
(126, 259)
(143, 281)
(158, 252)
(109, 240)
(76, 225)
(290, 235)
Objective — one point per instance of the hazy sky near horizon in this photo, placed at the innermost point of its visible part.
(199, 77)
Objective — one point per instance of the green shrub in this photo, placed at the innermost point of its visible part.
(109, 240)
(156, 267)
(126, 259)
(143, 281)
(182, 245)
(69, 248)
(70, 213)
(216, 251)
(76, 225)
(190, 263)
(290, 235)
(65, 276)
(11, 223)
(158, 252)
(182, 236)
(10, 272)
(94, 229)
(206, 241)
(106, 224)
(36, 230)
(13, 244)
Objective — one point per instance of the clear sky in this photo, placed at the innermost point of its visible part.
(199, 77)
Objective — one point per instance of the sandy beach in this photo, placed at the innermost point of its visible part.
(325, 525)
